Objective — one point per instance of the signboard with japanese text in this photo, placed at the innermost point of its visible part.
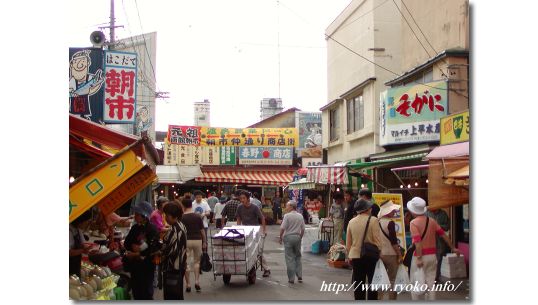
(311, 162)
(227, 155)
(379, 198)
(184, 135)
(411, 114)
(120, 87)
(86, 79)
(310, 134)
(266, 155)
(455, 128)
(210, 136)
(127, 190)
(197, 155)
(93, 188)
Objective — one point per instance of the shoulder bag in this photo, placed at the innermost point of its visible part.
(411, 250)
(368, 249)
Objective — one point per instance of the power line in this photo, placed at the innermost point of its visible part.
(411, 29)
(419, 27)
(145, 44)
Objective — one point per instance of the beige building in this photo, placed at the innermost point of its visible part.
(350, 121)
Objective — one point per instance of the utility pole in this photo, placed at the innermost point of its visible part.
(112, 23)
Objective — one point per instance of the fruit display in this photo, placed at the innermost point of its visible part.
(95, 283)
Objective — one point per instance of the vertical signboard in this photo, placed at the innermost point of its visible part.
(227, 155)
(120, 87)
(310, 134)
(398, 217)
(411, 114)
(86, 79)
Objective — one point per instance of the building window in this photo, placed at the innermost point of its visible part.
(421, 78)
(334, 123)
(355, 114)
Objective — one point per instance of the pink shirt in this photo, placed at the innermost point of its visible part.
(417, 227)
(156, 218)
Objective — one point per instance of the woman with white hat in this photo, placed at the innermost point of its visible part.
(390, 249)
(425, 253)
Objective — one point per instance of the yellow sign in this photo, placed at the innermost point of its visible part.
(212, 136)
(249, 137)
(398, 218)
(91, 189)
(455, 128)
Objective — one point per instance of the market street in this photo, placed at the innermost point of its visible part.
(276, 287)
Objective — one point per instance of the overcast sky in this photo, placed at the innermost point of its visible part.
(224, 51)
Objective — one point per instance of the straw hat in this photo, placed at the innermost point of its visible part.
(417, 206)
(387, 207)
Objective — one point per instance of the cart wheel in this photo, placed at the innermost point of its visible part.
(252, 276)
(226, 278)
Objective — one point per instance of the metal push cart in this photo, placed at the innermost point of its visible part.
(231, 243)
(326, 233)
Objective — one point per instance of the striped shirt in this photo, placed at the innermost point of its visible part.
(175, 248)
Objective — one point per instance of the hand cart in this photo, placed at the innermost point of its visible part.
(326, 234)
(230, 249)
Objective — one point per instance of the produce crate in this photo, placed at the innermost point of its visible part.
(337, 264)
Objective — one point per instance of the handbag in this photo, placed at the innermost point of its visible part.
(411, 250)
(205, 263)
(368, 249)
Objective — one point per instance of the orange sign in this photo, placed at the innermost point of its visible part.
(126, 190)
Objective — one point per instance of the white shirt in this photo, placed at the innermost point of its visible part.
(218, 210)
(202, 208)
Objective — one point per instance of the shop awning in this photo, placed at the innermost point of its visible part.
(328, 174)
(302, 184)
(177, 174)
(418, 149)
(261, 177)
(414, 167)
(377, 163)
(450, 151)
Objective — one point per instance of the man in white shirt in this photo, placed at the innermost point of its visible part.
(218, 212)
(202, 208)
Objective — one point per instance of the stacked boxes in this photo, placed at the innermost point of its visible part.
(453, 266)
(235, 249)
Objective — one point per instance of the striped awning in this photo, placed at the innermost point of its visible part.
(335, 174)
(302, 184)
(262, 177)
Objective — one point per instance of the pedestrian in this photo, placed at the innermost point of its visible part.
(349, 212)
(196, 243)
(390, 248)
(336, 214)
(255, 200)
(212, 201)
(277, 206)
(218, 212)
(76, 242)
(291, 232)
(442, 248)
(174, 253)
(362, 228)
(156, 217)
(142, 243)
(366, 194)
(425, 255)
(201, 207)
(248, 214)
(157, 220)
(228, 213)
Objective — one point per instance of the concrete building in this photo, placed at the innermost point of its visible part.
(350, 119)
(202, 112)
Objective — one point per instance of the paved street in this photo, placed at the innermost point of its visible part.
(276, 287)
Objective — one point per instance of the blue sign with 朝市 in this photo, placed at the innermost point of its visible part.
(266, 155)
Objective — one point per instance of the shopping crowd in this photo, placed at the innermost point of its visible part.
(165, 245)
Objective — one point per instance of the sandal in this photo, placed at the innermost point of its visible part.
(198, 288)
(188, 289)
